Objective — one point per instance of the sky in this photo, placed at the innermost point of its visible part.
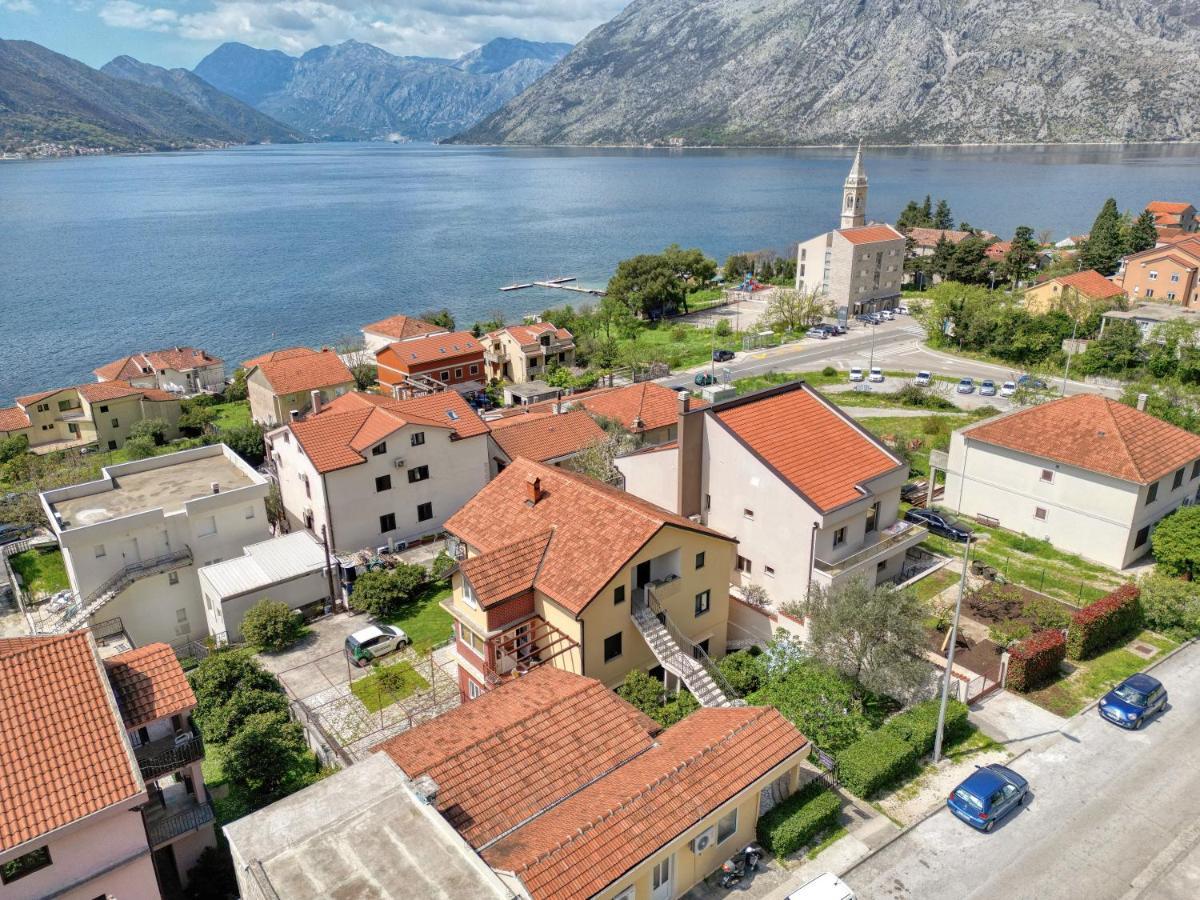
(181, 32)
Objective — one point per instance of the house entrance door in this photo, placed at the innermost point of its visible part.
(662, 879)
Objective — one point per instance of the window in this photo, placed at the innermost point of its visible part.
(458, 373)
(64, 405)
(1142, 536)
(418, 438)
(181, 615)
(770, 570)
(418, 473)
(748, 513)
(424, 512)
(445, 375)
(383, 483)
(872, 517)
(1170, 295)
(172, 578)
(206, 526)
(379, 449)
(387, 522)
(45, 407)
(743, 565)
(473, 691)
(100, 551)
(24, 865)
(1153, 275)
(612, 647)
(474, 370)
(660, 875)
(880, 566)
(1047, 476)
(1149, 292)
(307, 487)
(1178, 479)
(726, 826)
(839, 536)
(1152, 493)
(1175, 278)
(630, 893)
(707, 502)
(1039, 513)
(703, 602)
(700, 555)
(116, 423)
(1196, 468)
(618, 595)
(104, 409)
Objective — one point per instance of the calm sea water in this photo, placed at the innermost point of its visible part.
(244, 250)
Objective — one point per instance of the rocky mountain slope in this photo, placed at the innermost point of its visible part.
(241, 118)
(56, 104)
(825, 71)
(356, 91)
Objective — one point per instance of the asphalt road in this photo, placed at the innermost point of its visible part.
(1114, 814)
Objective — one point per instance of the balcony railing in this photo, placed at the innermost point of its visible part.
(166, 825)
(889, 539)
(157, 758)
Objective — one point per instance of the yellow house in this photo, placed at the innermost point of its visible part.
(295, 380)
(523, 353)
(100, 415)
(566, 791)
(558, 568)
(1089, 287)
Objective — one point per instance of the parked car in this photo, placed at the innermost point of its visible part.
(987, 388)
(704, 379)
(902, 309)
(923, 379)
(11, 533)
(856, 374)
(723, 355)
(940, 523)
(1008, 389)
(887, 315)
(987, 796)
(1133, 701)
(373, 642)
(835, 330)
(819, 332)
(825, 886)
(876, 374)
(966, 386)
(1028, 381)
(914, 491)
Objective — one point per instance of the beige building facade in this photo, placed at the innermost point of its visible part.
(524, 353)
(100, 415)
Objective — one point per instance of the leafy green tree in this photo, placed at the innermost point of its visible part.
(790, 309)
(648, 285)
(221, 722)
(691, 265)
(441, 565)
(968, 262)
(236, 390)
(139, 448)
(1175, 543)
(1105, 245)
(822, 703)
(942, 217)
(942, 259)
(737, 265)
(195, 416)
(615, 319)
(1171, 605)
(911, 217)
(154, 430)
(1021, 256)
(927, 210)
(247, 442)
(271, 624)
(746, 672)
(221, 673)
(265, 755)
(1143, 233)
(441, 317)
(642, 691)
(13, 446)
(1116, 352)
(383, 592)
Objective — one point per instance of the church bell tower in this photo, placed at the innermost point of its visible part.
(854, 193)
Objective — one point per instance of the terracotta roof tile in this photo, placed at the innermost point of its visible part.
(13, 418)
(1091, 284)
(278, 356)
(63, 753)
(589, 840)
(1168, 206)
(30, 399)
(520, 748)
(181, 359)
(446, 347)
(544, 438)
(597, 527)
(651, 404)
(870, 234)
(101, 391)
(1093, 433)
(504, 573)
(149, 684)
(527, 335)
(402, 327)
(517, 418)
(929, 237)
(809, 442)
(306, 372)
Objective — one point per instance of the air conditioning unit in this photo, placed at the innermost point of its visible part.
(704, 840)
(398, 462)
(401, 545)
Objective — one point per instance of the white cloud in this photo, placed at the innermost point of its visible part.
(421, 27)
(21, 6)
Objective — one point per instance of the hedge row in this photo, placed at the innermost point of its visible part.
(887, 756)
(798, 819)
(1099, 626)
(1035, 661)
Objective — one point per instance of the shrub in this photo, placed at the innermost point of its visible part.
(154, 430)
(139, 448)
(723, 329)
(1106, 621)
(799, 819)
(1035, 661)
(12, 447)
(756, 595)
(441, 565)
(829, 372)
(265, 755)
(1047, 613)
(875, 762)
(918, 726)
(1005, 633)
(679, 334)
(247, 442)
(271, 624)
(220, 722)
(1171, 604)
(744, 672)
(382, 593)
(641, 690)
(1175, 543)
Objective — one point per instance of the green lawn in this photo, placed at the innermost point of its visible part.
(677, 344)
(374, 696)
(42, 571)
(766, 380)
(932, 585)
(423, 619)
(1092, 678)
(236, 802)
(930, 430)
(235, 414)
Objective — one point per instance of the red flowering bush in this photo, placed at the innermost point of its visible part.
(1099, 626)
(1034, 661)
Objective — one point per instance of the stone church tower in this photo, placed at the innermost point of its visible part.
(854, 193)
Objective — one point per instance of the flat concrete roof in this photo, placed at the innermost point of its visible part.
(361, 832)
(1154, 312)
(169, 486)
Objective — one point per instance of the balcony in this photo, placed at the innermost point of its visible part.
(175, 819)
(666, 588)
(165, 755)
(893, 539)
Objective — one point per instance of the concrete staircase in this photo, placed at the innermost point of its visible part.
(665, 644)
(77, 615)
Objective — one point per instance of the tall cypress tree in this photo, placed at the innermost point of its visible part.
(943, 218)
(1022, 255)
(1106, 243)
(1143, 234)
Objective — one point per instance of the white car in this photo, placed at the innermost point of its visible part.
(876, 375)
(923, 379)
(902, 310)
(373, 642)
(887, 314)
(826, 886)
(856, 374)
(1008, 389)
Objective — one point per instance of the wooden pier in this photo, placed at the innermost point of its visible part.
(562, 283)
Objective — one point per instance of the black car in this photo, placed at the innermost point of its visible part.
(940, 524)
(722, 355)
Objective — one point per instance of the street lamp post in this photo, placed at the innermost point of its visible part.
(962, 589)
(871, 364)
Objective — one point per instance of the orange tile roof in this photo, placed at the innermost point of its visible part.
(592, 838)
(517, 418)
(531, 333)
(654, 405)
(447, 348)
(506, 572)
(101, 391)
(149, 684)
(998, 249)
(278, 356)
(1185, 252)
(1093, 433)
(544, 438)
(306, 372)
(181, 359)
(520, 748)
(929, 237)
(870, 234)
(1091, 284)
(401, 327)
(13, 418)
(30, 399)
(597, 527)
(811, 444)
(63, 751)
(336, 437)
(1168, 206)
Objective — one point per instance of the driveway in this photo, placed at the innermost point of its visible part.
(1112, 815)
(319, 661)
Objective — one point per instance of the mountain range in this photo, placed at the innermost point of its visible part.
(356, 91)
(774, 72)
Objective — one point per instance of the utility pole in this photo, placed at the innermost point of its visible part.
(871, 364)
(962, 589)
(1071, 349)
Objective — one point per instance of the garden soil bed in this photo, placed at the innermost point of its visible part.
(1011, 608)
(980, 657)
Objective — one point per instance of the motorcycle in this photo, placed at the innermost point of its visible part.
(741, 864)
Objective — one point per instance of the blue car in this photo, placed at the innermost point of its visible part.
(1133, 701)
(987, 796)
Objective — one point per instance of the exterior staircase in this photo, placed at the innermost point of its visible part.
(77, 614)
(680, 656)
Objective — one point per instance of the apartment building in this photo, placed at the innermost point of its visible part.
(450, 360)
(88, 415)
(292, 382)
(557, 568)
(522, 353)
(1167, 273)
(101, 792)
(379, 334)
(1088, 474)
(368, 470)
(133, 540)
(810, 496)
(1087, 290)
(177, 370)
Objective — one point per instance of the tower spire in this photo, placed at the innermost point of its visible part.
(854, 193)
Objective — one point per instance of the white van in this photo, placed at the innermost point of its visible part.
(824, 887)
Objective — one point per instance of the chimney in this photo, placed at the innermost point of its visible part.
(1141, 404)
(316, 401)
(690, 462)
(294, 415)
(426, 789)
(533, 490)
(216, 487)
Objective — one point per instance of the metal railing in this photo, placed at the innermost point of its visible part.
(647, 602)
(159, 831)
(102, 631)
(77, 614)
(902, 532)
(162, 756)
